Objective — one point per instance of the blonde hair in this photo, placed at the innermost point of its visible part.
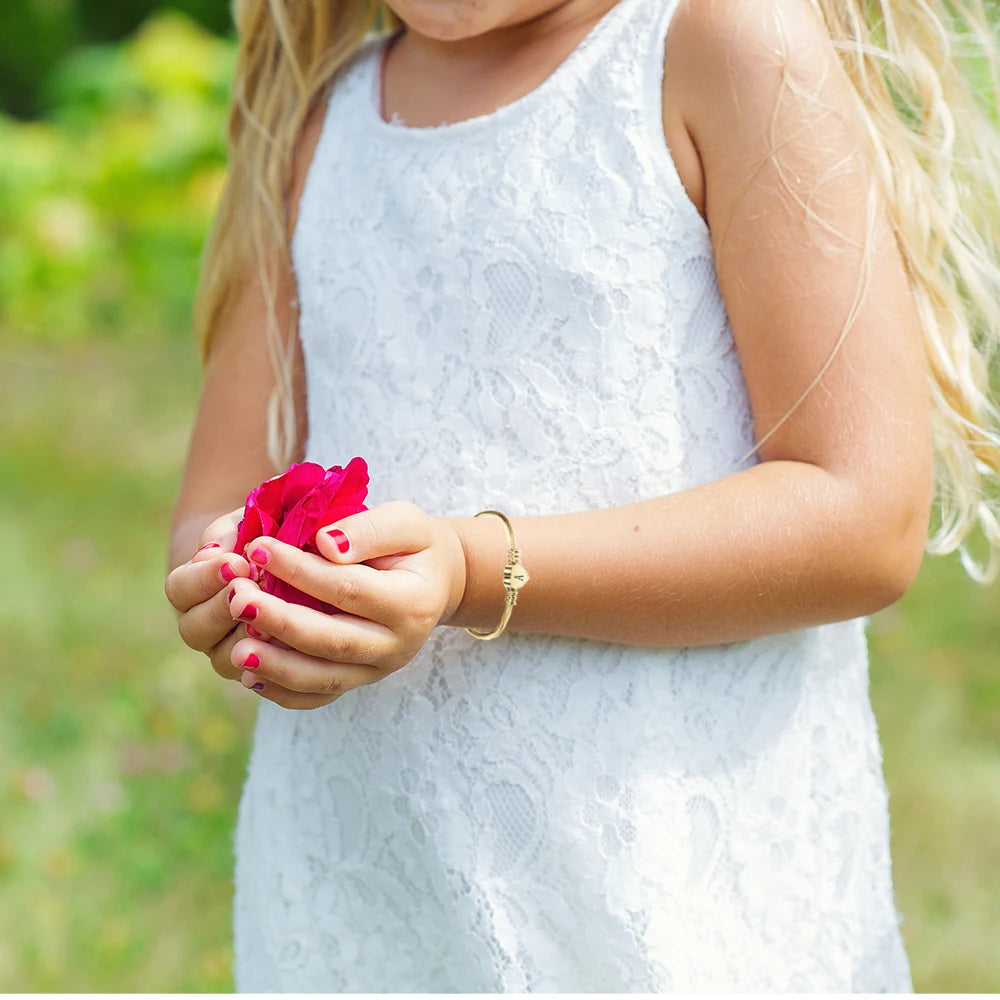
(936, 156)
(288, 54)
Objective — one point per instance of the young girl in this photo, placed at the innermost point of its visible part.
(691, 293)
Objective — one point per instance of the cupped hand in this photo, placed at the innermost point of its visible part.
(393, 572)
(198, 590)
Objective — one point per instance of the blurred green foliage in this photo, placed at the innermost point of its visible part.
(36, 35)
(104, 205)
(121, 752)
(120, 755)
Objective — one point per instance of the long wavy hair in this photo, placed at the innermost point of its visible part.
(926, 74)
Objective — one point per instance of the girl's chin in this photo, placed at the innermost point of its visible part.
(452, 20)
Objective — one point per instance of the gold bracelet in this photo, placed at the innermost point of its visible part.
(515, 576)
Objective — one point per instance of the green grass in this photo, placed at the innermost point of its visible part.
(936, 693)
(122, 755)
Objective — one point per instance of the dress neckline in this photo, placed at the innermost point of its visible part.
(507, 112)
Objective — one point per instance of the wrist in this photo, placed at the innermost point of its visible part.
(484, 548)
(450, 542)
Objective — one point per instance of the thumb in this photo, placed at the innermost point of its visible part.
(219, 536)
(396, 528)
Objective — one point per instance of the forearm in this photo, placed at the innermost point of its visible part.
(780, 546)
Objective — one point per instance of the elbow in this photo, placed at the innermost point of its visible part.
(895, 574)
(893, 559)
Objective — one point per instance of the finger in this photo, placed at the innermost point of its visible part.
(221, 655)
(193, 583)
(297, 671)
(220, 537)
(290, 699)
(360, 590)
(209, 550)
(386, 530)
(222, 531)
(206, 624)
(340, 638)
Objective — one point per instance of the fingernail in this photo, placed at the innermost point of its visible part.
(340, 540)
(253, 632)
(252, 662)
(231, 594)
(208, 545)
(260, 555)
(249, 613)
(257, 687)
(227, 573)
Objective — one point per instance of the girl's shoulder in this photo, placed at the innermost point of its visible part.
(743, 27)
(726, 65)
(738, 73)
(312, 126)
(714, 46)
(305, 147)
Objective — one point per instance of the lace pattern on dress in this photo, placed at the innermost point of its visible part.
(522, 310)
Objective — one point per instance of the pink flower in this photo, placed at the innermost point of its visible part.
(292, 507)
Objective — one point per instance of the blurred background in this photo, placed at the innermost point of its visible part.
(121, 754)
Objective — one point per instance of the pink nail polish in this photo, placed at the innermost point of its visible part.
(231, 594)
(249, 613)
(251, 631)
(340, 540)
(260, 555)
(252, 662)
(227, 573)
(208, 545)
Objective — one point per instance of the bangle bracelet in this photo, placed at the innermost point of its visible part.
(515, 576)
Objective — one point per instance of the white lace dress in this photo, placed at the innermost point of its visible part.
(520, 310)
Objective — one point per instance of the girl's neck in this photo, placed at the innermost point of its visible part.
(428, 80)
(487, 41)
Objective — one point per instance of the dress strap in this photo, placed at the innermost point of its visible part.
(655, 51)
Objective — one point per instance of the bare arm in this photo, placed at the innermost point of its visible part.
(832, 523)
(220, 471)
(227, 456)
